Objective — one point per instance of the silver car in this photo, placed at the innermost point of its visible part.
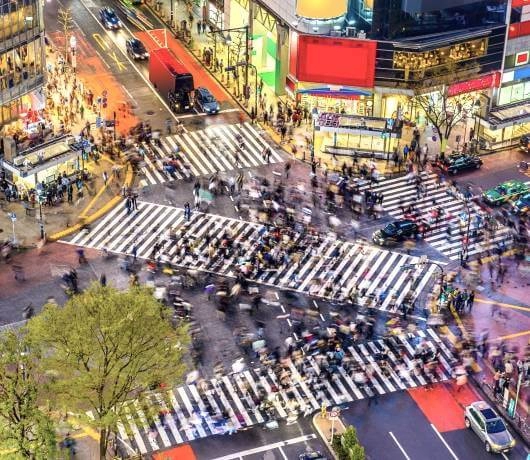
(490, 428)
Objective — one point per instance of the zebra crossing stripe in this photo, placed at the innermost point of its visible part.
(374, 269)
(136, 433)
(169, 419)
(233, 392)
(207, 151)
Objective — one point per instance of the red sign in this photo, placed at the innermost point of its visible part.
(522, 58)
(488, 81)
(519, 29)
(519, 3)
(333, 61)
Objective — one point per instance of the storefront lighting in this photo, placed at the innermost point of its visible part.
(315, 29)
(336, 27)
(29, 18)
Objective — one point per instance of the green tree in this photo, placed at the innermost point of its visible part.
(105, 348)
(443, 110)
(347, 447)
(24, 426)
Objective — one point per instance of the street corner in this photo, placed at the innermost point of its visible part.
(443, 405)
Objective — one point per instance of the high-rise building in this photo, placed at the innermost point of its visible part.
(22, 57)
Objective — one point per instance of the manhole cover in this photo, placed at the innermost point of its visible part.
(150, 112)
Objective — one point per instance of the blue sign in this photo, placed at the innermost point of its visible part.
(99, 122)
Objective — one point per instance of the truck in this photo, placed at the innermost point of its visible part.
(171, 79)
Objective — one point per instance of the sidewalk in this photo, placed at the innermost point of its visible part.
(324, 427)
(66, 89)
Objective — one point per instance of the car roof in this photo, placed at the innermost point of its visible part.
(203, 90)
(485, 409)
(108, 9)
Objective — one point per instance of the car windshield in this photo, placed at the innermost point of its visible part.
(501, 189)
(495, 426)
(138, 46)
(390, 229)
(208, 98)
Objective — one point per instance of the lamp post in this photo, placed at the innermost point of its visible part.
(246, 30)
(40, 200)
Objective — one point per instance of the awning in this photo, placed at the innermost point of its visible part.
(338, 93)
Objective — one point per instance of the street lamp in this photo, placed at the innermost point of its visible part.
(228, 41)
(40, 200)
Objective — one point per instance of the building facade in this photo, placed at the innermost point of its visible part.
(22, 57)
(370, 57)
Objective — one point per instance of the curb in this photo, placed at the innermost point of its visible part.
(323, 436)
(96, 215)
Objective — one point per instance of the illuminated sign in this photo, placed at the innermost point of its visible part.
(321, 9)
(519, 3)
(333, 61)
(522, 58)
(488, 81)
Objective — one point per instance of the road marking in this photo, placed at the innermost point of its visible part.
(128, 93)
(283, 453)
(101, 41)
(513, 336)
(399, 445)
(147, 82)
(444, 441)
(275, 445)
(197, 114)
(505, 305)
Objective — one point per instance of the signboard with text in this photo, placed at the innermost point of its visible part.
(477, 84)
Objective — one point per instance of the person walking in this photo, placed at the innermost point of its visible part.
(187, 211)
(105, 177)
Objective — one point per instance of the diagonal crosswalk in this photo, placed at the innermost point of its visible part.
(399, 191)
(214, 149)
(195, 411)
(310, 264)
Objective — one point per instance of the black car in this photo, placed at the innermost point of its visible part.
(456, 163)
(136, 49)
(109, 18)
(397, 231)
(205, 101)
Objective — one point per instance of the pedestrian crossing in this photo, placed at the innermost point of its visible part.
(214, 149)
(399, 191)
(251, 397)
(323, 267)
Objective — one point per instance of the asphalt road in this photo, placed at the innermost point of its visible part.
(396, 428)
(285, 443)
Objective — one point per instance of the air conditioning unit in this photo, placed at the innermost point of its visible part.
(19, 161)
(351, 31)
(362, 34)
(336, 33)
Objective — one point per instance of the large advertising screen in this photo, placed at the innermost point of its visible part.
(321, 9)
(335, 61)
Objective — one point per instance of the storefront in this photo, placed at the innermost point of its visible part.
(336, 99)
(45, 163)
(332, 74)
(349, 135)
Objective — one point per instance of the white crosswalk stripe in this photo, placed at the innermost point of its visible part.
(399, 192)
(344, 265)
(190, 418)
(214, 149)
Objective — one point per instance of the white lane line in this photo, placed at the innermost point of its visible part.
(283, 453)
(399, 445)
(275, 445)
(444, 442)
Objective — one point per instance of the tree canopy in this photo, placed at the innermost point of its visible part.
(25, 428)
(106, 347)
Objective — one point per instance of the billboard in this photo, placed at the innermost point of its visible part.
(335, 61)
(476, 84)
(321, 9)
